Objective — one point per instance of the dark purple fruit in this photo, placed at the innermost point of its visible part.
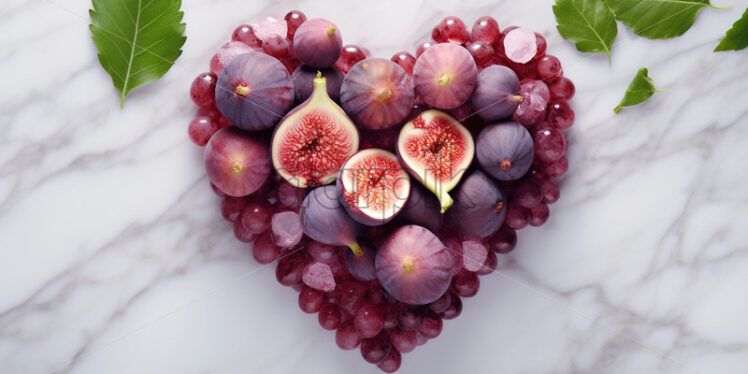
(326, 221)
(377, 93)
(479, 208)
(422, 208)
(303, 82)
(236, 163)
(317, 43)
(505, 150)
(414, 266)
(496, 96)
(361, 266)
(254, 91)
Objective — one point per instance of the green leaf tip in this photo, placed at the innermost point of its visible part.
(736, 38)
(137, 40)
(658, 19)
(639, 90)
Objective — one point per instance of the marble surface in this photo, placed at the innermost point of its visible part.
(114, 257)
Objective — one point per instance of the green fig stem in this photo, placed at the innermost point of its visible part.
(445, 201)
(331, 30)
(320, 85)
(356, 249)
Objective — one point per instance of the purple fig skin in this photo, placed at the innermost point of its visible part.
(505, 150)
(326, 221)
(480, 206)
(414, 266)
(317, 43)
(377, 93)
(254, 91)
(361, 266)
(303, 82)
(496, 96)
(422, 208)
(236, 164)
(445, 76)
(388, 175)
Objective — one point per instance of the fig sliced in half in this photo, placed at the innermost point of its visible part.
(374, 186)
(436, 150)
(313, 141)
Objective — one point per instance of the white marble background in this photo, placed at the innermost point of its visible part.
(114, 258)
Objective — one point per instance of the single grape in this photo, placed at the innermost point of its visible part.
(241, 233)
(276, 46)
(349, 56)
(431, 326)
(409, 319)
(549, 68)
(541, 46)
(256, 218)
(203, 90)
(323, 252)
(482, 53)
(352, 295)
(485, 29)
(231, 207)
(562, 89)
(391, 362)
(405, 60)
(368, 320)
(441, 304)
(454, 309)
(539, 214)
(503, 241)
(451, 29)
(294, 19)
(201, 129)
(560, 115)
(290, 269)
(246, 35)
(550, 191)
(264, 251)
(557, 168)
(550, 144)
(490, 265)
(329, 316)
(404, 341)
(424, 46)
(466, 283)
(346, 337)
(517, 216)
(376, 349)
(311, 300)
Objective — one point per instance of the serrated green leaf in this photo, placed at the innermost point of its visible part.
(640, 89)
(736, 37)
(587, 23)
(658, 19)
(138, 40)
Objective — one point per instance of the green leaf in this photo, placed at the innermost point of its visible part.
(658, 19)
(587, 23)
(138, 40)
(737, 36)
(640, 89)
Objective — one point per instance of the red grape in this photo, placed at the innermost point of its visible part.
(562, 89)
(276, 46)
(231, 207)
(557, 168)
(346, 337)
(550, 191)
(310, 300)
(504, 240)
(466, 283)
(256, 218)
(246, 35)
(542, 45)
(424, 46)
(539, 214)
(404, 341)
(431, 326)
(451, 29)
(550, 144)
(203, 90)
(294, 19)
(549, 68)
(517, 216)
(454, 309)
(368, 320)
(482, 53)
(405, 60)
(241, 233)
(485, 29)
(560, 115)
(201, 129)
(376, 349)
(391, 362)
(329, 316)
(264, 251)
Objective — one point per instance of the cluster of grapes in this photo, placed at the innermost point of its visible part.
(355, 305)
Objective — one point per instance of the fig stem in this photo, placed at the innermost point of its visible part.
(331, 30)
(356, 249)
(445, 201)
(443, 79)
(517, 98)
(408, 265)
(237, 168)
(320, 85)
(242, 90)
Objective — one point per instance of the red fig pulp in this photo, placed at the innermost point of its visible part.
(313, 141)
(436, 150)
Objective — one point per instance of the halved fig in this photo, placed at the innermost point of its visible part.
(436, 150)
(414, 266)
(480, 206)
(377, 93)
(253, 91)
(326, 221)
(313, 141)
(236, 163)
(374, 186)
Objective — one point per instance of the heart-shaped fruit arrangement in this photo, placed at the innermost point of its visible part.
(382, 188)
